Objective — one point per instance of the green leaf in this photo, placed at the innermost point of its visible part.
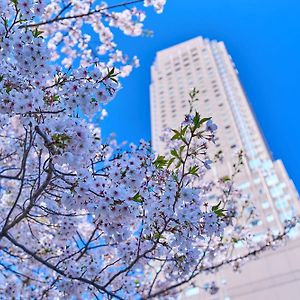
(225, 178)
(60, 140)
(111, 72)
(137, 198)
(158, 235)
(176, 136)
(181, 149)
(216, 207)
(218, 211)
(160, 162)
(114, 79)
(183, 130)
(8, 89)
(174, 175)
(55, 98)
(193, 170)
(235, 240)
(196, 120)
(178, 165)
(174, 153)
(204, 120)
(36, 33)
(180, 258)
(170, 162)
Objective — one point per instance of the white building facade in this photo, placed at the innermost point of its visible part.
(206, 66)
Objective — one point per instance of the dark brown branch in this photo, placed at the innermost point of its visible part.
(59, 271)
(92, 12)
(217, 266)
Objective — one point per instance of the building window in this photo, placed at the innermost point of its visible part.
(282, 203)
(255, 222)
(265, 205)
(192, 291)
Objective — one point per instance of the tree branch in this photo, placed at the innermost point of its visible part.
(96, 11)
(59, 271)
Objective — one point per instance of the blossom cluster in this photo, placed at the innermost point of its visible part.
(81, 216)
(64, 22)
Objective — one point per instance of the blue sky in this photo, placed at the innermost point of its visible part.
(262, 36)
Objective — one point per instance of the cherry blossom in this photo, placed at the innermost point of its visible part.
(82, 216)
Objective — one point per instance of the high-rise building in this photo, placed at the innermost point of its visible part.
(206, 66)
